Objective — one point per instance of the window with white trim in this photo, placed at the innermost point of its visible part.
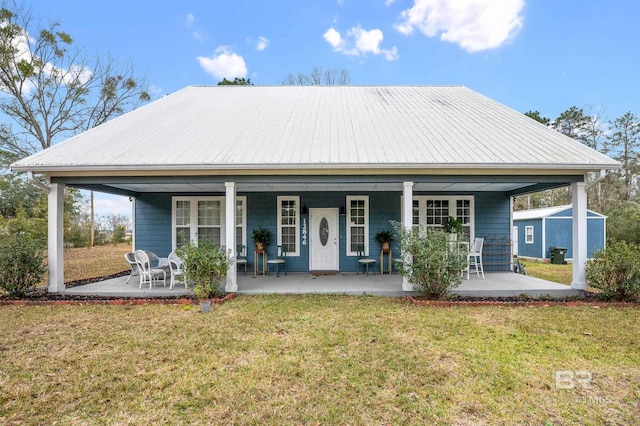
(357, 224)
(288, 221)
(415, 213)
(528, 234)
(198, 218)
(209, 220)
(433, 212)
(241, 221)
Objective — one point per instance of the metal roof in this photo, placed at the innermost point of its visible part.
(543, 212)
(318, 127)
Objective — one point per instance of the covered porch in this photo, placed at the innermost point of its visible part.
(496, 284)
(303, 161)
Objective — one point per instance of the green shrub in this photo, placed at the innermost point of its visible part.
(21, 263)
(615, 271)
(436, 265)
(205, 265)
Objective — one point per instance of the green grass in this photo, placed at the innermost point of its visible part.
(562, 274)
(317, 360)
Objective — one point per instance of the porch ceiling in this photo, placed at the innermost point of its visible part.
(456, 187)
(452, 183)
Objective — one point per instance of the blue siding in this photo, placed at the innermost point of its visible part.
(529, 250)
(153, 223)
(493, 221)
(560, 234)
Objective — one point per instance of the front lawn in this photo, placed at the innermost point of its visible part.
(319, 360)
(562, 274)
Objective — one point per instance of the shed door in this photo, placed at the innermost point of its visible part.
(323, 240)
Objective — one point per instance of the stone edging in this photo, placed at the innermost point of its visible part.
(167, 301)
(533, 303)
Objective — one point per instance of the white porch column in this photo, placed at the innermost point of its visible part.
(56, 237)
(230, 234)
(407, 223)
(579, 204)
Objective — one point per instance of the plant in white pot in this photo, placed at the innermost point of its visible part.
(205, 265)
(453, 227)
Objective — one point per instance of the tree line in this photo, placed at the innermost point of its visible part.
(615, 196)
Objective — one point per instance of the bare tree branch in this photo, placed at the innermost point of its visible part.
(52, 90)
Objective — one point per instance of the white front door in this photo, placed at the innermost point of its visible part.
(323, 240)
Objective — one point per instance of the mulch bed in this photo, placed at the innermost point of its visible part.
(59, 299)
(589, 299)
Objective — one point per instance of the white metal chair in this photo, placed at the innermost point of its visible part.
(475, 257)
(147, 273)
(281, 259)
(241, 257)
(131, 258)
(177, 271)
(364, 261)
(154, 260)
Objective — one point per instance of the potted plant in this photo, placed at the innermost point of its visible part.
(384, 238)
(205, 265)
(452, 227)
(261, 237)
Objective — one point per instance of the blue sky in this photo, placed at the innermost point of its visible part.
(544, 55)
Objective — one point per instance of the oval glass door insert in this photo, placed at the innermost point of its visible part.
(324, 231)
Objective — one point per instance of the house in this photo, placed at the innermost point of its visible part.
(539, 229)
(304, 160)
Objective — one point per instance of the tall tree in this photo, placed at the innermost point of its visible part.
(539, 118)
(318, 77)
(236, 82)
(622, 144)
(571, 122)
(51, 90)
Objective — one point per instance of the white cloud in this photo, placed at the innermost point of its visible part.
(190, 20)
(474, 25)
(224, 64)
(262, 43)
(359, 42)
(333, 38)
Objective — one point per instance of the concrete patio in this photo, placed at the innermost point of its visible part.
(503, 284)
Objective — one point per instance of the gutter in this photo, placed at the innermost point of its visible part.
(200, 167)
(44, 188)
(603, 174)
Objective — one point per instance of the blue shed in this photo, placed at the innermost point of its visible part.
(536, 230)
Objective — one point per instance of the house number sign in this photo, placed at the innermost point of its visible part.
(304, 231)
